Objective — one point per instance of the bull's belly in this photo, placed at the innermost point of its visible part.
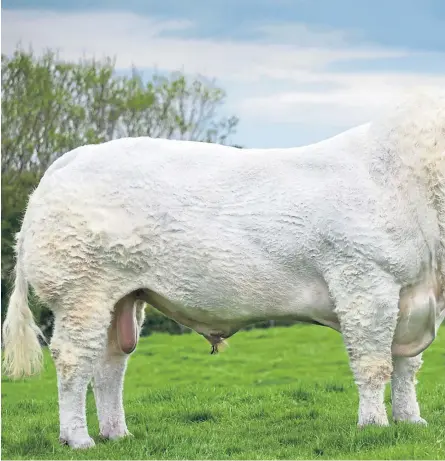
(213, 307)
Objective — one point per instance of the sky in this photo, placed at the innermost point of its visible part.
(295, 71)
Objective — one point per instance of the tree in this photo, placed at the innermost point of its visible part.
(50, 107)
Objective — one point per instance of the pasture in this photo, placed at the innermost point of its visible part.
(281, 393)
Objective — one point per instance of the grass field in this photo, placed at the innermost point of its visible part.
(280, 393)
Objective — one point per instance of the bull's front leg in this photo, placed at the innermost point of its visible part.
(403, 389)
(367, 309)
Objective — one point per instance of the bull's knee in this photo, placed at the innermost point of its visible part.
(372, 371)
(407, 367)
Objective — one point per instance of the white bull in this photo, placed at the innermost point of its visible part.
(348, 233)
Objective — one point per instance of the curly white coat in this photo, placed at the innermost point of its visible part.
(347, 233)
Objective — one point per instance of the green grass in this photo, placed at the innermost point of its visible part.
(280, 393)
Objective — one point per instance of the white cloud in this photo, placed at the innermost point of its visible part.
(285, 73)
(357, 98)
(303, 35)
(144, 42)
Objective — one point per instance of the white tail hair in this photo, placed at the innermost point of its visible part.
(22, 350)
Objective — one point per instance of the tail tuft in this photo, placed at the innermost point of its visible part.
(22, 352)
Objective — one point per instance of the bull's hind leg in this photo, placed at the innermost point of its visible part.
(403, 387)
(108, 380)
(367, 309)
(79, 339)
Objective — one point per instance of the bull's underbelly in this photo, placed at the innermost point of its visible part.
(214, 307)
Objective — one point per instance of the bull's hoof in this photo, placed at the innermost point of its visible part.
(373, 420)
(78, 444)
(413, 420)
(115, 434)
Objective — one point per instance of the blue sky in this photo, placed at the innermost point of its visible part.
(296, 71)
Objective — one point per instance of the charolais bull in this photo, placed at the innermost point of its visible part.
(348, 233)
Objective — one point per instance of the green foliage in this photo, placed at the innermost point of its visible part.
(50, 107)
(281, 393)
(15, 191)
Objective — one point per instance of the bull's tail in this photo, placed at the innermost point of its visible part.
(22, 351)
